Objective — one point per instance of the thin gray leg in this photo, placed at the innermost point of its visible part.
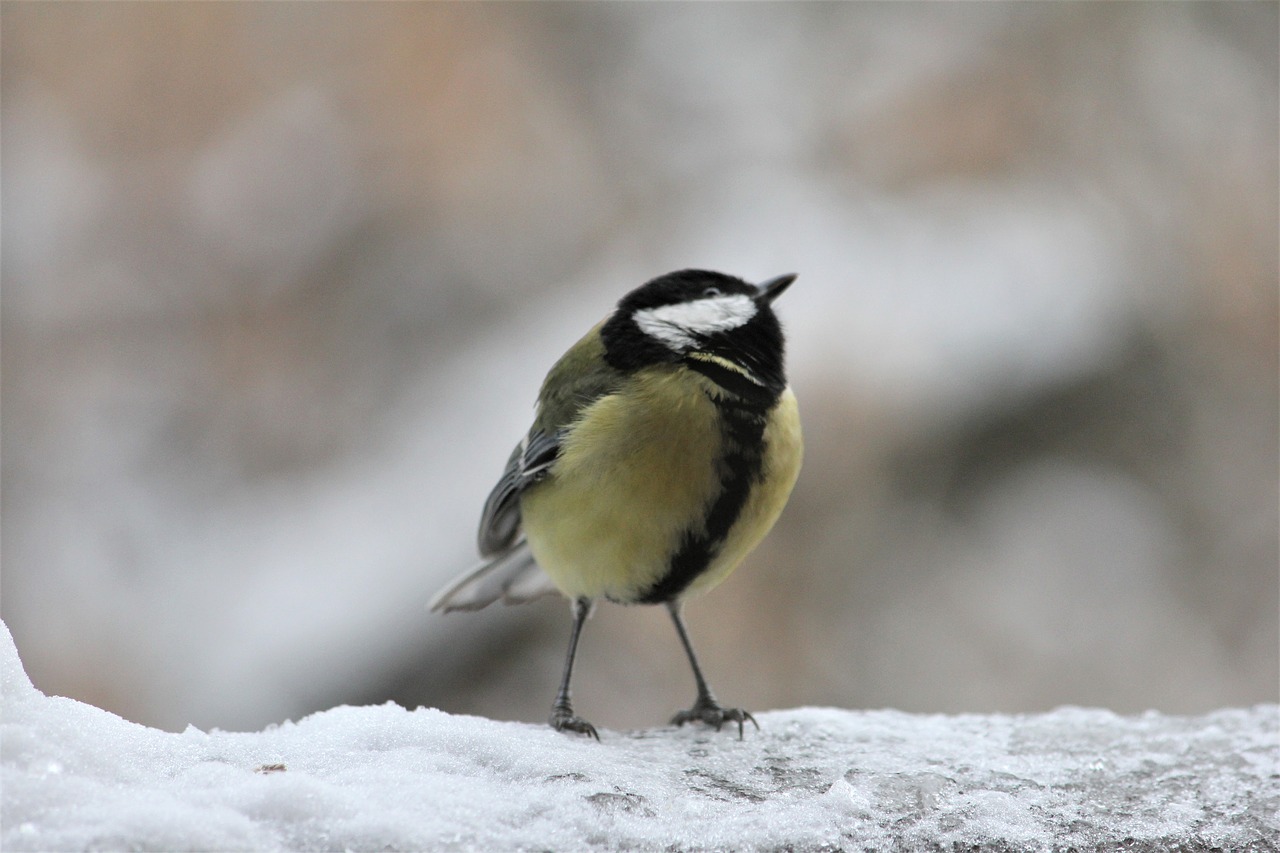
(705, 708)
(562, 716)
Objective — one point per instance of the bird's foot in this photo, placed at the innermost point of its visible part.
(564, 720)
(708, 710)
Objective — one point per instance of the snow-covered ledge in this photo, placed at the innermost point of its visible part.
(384, 778)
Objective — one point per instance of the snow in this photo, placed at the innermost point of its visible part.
(385, 778)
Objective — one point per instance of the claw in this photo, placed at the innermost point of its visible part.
(713, 714)
(566, 721)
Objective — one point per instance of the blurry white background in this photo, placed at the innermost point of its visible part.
(280, 282)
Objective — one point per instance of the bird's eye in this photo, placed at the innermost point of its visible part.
(710, 292)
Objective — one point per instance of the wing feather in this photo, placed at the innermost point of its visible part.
(528, 463)
(513, 577)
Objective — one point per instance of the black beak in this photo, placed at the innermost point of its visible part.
(770, 290)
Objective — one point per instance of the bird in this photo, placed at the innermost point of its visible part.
(664, 446)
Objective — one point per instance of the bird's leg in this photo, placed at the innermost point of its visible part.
(705, 708)
(562, 716)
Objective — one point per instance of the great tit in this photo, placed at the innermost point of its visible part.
(664, 446)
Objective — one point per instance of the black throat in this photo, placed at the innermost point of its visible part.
(749, 391)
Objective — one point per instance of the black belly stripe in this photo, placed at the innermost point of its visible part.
(739, 468)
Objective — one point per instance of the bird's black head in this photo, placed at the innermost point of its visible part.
(697, 311)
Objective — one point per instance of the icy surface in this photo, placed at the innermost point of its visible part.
(385, 778)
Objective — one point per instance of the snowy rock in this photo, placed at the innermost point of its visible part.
(385, 778)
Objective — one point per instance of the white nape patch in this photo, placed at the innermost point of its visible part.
(675, 325)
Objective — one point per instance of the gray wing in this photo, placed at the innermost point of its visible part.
(528, 464)
(508, 571)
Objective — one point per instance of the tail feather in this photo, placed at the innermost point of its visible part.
(513, 577)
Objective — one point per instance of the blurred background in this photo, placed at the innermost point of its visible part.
(280, 282)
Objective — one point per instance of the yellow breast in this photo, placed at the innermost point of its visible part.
(634, 472)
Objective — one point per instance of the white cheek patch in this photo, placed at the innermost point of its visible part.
(676, 325)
